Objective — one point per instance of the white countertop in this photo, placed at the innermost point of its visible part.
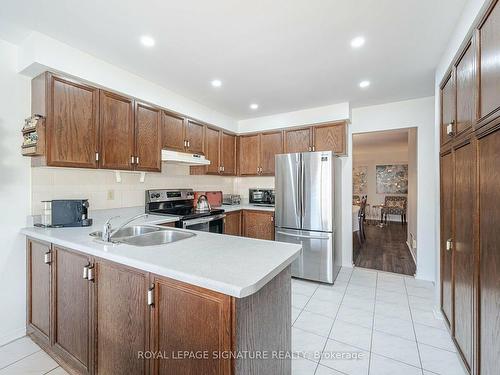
(245, 206)
(235, 266)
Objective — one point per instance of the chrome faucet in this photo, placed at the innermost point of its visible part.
(108, 232)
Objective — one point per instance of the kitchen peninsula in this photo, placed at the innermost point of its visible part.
(184, 307)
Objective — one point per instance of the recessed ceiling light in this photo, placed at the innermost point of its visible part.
(364, 84)
(254, 106)
(147, 41)
(216, 83)
(357, 42)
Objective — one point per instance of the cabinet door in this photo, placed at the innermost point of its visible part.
(72, 124)
(72, 310)
(331, 137)
(271, 145)
(122, 319)
(195, 137)
(232, 223)
(489, 254)
(463, 247)
(489, 33)
(298, 140)
(116, 131)
(249, 155)
(212, 150)
(446, 233)
(193, 319)
(447, 109)
(38, 290)
(228, 154)
(147, 139)
(466, 90)
(172, 132)
(258, 224)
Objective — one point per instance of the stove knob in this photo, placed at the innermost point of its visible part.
(157, 195)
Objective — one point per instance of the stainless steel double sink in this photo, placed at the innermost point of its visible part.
(145, 235)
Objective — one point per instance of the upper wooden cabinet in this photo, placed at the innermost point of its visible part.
(172, 132)
(448, 109)
(212, 151)
(325, 137)
(147, 138)
(228, 154)
(116, 127)
(71, 109)
(466, 89)
(271, 144)
(489, 60)
(195, 133)
(298, 140)
(249, 154)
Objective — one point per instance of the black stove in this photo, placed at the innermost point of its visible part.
(180, 202)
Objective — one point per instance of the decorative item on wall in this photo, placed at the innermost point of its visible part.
(360, 180)
(392, 179)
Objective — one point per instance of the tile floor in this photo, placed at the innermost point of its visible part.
(385, 321)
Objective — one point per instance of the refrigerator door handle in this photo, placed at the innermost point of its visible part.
(303, 236)
(302, 180)
(298, 205)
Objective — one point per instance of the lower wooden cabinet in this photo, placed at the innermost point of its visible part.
(232, 223)
(258, 224)
(38, 289)
(72, 303)
(188, 318)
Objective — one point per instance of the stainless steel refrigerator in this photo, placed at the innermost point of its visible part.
(308, 205)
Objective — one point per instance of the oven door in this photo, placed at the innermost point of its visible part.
(214, 224)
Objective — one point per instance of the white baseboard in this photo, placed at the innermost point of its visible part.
(12, 335)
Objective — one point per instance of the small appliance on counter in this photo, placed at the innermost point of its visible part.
(231, 199)
(261, 197)
(60, 213)
(214, 197)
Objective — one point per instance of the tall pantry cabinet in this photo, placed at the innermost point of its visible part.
(470, 195)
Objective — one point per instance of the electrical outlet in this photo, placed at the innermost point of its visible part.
(111, 195)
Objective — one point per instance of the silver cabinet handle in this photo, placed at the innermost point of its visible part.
(47, 257)
(91, 275)
(449, 244)
(303, 236)
(137, 160)
(132, 159)
(86, 272)
(188, 144)
(310, 148)
(151, 296)
(96, 156)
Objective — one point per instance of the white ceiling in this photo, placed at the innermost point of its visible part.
(284, 55)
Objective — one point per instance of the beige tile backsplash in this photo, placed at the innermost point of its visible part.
(103, 192)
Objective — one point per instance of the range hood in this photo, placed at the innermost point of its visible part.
(175, 157)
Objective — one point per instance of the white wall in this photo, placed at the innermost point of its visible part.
(303, 117)
(417, 113)
(14, 194)
(39, 53)
(463, 26)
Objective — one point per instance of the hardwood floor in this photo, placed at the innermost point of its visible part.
(385, 249)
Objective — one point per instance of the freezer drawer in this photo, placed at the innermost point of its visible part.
(316, 259)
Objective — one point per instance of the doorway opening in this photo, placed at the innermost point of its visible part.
(384, 201)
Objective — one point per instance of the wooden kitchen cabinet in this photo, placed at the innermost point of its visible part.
(71, 109)
(232, 223)
(72, 301)
(122, 319)
(489, 72)
(116, 128)
(249, 152)
(212, 148)
(466, 89)
(448, 110)
(258, 224)
(172, 132)
(38, 291)
(195, 137)
(330, 137)
(189, 318)
(271, 144)
(446, 234)
(228, 154)
(147, 138)
(298, 140)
